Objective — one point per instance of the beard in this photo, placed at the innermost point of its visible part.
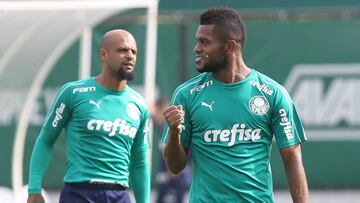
(215, 64)
(125, 75)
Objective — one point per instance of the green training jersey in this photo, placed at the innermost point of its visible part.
(104, 129)
(229, 128)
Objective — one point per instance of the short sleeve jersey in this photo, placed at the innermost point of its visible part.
(230, 128)
(102, 126)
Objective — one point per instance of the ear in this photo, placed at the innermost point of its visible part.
(232, 45)
(103, 54)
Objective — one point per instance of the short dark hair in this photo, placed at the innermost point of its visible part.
(228, 23)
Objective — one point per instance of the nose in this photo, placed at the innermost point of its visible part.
(197, 48)
(130, 54)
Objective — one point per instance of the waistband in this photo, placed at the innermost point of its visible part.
(96, 185)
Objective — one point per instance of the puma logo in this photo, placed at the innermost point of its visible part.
(208, 105)
(97, 104)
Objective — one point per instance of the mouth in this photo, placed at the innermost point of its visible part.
(199, 59)
(128, 65)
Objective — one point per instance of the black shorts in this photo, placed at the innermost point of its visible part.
(93, 193)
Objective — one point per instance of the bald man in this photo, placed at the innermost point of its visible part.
(106, 127)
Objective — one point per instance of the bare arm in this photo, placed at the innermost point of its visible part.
(174, 154)
(295, 173)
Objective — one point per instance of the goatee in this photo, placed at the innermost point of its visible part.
(126, 75)
(215, 65)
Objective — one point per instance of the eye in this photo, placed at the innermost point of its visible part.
(203, 42)
(122, 50)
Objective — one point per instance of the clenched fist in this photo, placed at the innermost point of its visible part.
(174, 116)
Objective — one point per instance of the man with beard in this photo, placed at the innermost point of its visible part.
(228, 116)
(106, 126)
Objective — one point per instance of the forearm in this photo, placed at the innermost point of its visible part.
(297, 183)
(295, 173)
(174, 154)
(140, 179)
(40, 159)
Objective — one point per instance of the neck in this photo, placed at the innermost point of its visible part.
(110, 82)
(235, 71)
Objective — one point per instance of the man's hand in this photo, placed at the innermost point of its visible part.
(174, 116)
(35, 198)
(174, 153)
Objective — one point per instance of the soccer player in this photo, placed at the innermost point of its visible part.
(228, 116)
(106, 126)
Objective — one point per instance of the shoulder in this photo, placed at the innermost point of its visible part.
(193, 85)
(137, 98)
(74, 87)
(267, 85)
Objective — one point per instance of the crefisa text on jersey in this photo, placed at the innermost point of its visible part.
(119, 125)
(58, 114)
(229, 135)
(263, 87)
(287, 125)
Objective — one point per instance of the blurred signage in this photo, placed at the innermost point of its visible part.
(327, 97)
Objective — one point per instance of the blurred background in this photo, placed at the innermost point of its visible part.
(312, 47)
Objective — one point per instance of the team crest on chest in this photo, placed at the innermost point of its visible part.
(259, 105)
(133, 111)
